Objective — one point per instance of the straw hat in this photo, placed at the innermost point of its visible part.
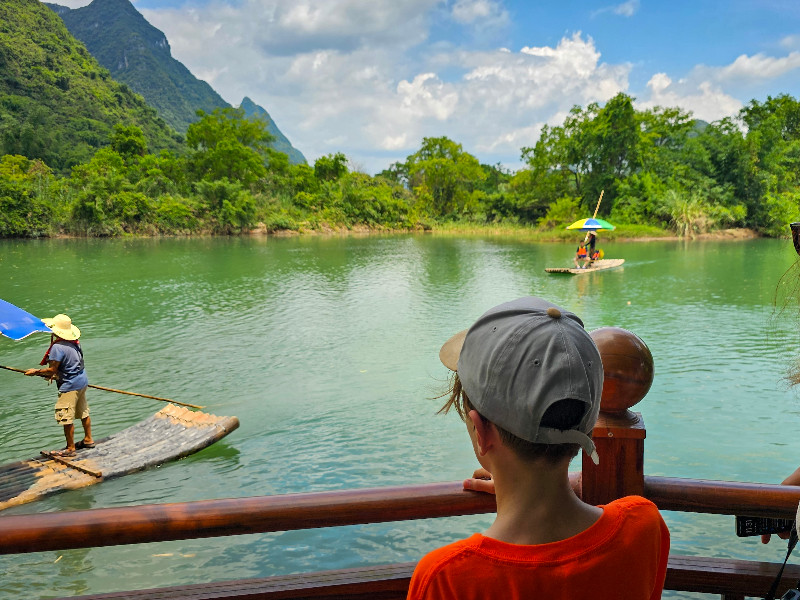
(62, 326)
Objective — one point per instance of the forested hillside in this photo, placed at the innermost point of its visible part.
(57, 103)
(139, 55)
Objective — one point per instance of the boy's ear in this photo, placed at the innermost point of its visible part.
(485, 432)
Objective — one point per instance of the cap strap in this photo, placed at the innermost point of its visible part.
(548, 435)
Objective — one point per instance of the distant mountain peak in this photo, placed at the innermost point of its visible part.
(281, 143)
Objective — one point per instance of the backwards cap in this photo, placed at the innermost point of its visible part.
(521, 357)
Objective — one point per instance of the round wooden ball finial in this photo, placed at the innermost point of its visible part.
(627, 368)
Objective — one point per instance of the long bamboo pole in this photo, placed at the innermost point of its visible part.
(599, 200)
(596, 208)
(108, 389)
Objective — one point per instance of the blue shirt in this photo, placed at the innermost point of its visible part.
(71, 373)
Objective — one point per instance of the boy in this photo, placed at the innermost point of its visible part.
(527, 384)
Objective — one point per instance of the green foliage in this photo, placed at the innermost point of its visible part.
(330, 167)
(23, 211)
(227, 145)
(373, 201)
(563, 210)
(56, 103)
(231, 208)
(175, 215)
(128, 141)
(443, 176)
(691, 214)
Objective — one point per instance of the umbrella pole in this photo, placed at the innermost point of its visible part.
(596, 208)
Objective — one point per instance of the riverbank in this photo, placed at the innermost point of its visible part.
(623, 233)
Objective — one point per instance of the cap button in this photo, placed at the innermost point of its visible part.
(554, 312)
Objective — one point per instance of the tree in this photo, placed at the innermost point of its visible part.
(128, 141)
(330, 167)
(443, 176)
(227, 145)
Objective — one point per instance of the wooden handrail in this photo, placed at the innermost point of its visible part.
(722, 497)
(235, 516)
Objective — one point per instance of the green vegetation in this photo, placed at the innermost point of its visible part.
(56, 103)
(660, 172)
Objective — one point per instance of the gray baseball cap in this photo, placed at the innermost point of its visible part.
(522, 356)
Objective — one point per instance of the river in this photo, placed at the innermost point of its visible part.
(326, 348)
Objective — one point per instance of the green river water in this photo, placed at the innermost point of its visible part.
(327, 351)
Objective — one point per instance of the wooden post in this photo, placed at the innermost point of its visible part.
(619, 433)
(620, 446)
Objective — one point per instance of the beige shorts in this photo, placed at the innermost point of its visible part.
(71, 404)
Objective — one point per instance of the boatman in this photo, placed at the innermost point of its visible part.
(591, 239)
(527, 383)
(64, 363)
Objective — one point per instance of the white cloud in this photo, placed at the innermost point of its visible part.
(790, 42)
(758, 67)
(72, 3)
(706, 91)
(627, 9)
(356, 85)
(484, 13)
(363, 76)
(704, 99)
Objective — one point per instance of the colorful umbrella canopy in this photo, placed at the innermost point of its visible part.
(591, 225)
(17, 324)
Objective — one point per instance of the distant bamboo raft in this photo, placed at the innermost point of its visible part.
(171, 433)
(598, 265)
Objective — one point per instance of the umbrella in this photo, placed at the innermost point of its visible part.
(17, 324)
(591, 224)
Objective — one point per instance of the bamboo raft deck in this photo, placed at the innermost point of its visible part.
(598, 265)
(171, 433)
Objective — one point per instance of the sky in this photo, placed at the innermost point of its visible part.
(372, 78)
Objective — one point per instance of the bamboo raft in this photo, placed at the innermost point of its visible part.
(598, 265)
(171, 433)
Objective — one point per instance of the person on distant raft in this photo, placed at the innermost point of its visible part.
(64, 363)
(594, 253)
(586, 252)
(581, 255)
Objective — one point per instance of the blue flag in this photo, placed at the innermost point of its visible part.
(17, 324)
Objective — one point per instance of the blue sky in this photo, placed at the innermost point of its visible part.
(371, 78)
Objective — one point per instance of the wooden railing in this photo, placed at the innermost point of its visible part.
(619, 436)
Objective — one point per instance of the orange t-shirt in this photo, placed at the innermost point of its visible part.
(623, 555)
